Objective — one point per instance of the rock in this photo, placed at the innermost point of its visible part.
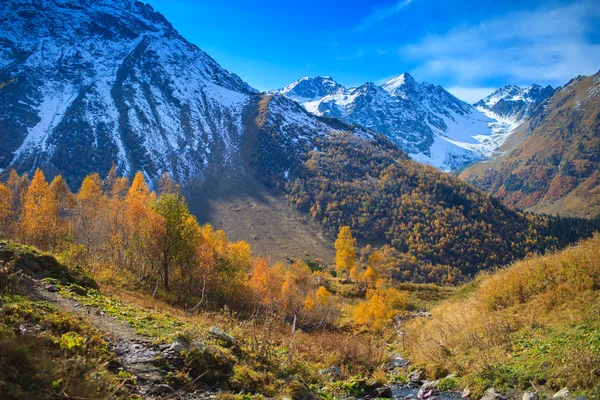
(52, 289)
(562, 393)
(428, 389)
(223, 336)
(333, 372)
(425, 395)
(397, 362)
(78, 290)
(466, 393)
(162, 389)
(384, 392)
(580, 398)
(415, 376)
(113, 365)
(491, 394)
(199, 346)
(179, 345)
(530, 396)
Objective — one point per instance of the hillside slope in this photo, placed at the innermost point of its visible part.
(534, 326)
(551, 163)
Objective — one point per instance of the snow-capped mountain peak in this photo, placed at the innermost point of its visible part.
(425, 120)
(399, 84)
(307, 89)
(92, 82)
(513, 102)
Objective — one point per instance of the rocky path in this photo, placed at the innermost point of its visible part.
(149, 363)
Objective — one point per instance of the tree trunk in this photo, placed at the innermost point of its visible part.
(166, 271)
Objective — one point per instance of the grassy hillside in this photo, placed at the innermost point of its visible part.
(532, 326)
(553, 166)
(46, 352)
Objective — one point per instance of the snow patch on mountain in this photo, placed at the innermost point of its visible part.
(91, 82)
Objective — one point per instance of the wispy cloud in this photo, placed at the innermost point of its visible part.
(545, 45)
(381, 13)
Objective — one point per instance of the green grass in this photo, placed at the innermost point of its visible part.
(46, 353)
(157, 326)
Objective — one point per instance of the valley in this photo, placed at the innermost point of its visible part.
(168, 231)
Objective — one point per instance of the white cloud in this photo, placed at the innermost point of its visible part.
(548, 45)
(381, 13)
(471, 94)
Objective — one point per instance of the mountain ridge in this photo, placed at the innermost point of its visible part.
(550, 164)
(425, 120)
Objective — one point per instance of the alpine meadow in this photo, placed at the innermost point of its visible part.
(170, 229)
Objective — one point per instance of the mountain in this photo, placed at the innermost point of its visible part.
(511, 102)
(87, 83)
(551, 163)
(425, 120)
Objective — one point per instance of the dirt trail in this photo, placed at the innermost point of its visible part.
(135, 353)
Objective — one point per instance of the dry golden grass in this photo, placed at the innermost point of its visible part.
(270, 341)
(513, 325)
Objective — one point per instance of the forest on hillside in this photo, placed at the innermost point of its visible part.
(150, 241)
(434, 227)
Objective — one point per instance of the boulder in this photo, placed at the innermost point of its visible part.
(52, 289)
(428, 389)
(178, 345)
(162, 389)
(491, 394)
(219, 334)
(562, 394)
(333, 372)
(415, 376)
(383, 392)
(78, 290)
(530, 396)
(466, 393)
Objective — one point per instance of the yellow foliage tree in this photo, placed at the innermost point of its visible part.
(6, 211)
(40, 219)
(381, 305)
(345, 252)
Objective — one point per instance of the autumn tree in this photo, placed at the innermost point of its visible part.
(144, 229)
(90, 227)
(266, 282)
(345, 252)
(167, 185)
(381, 305)
(6, 212)
(180, 234)
(40, 217)
(18, 186)
(65, 202)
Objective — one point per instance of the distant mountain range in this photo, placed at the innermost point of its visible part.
(551, 163)
(425, 120)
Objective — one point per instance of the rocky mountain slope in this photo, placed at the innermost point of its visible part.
(87, 83)
(514, 103)
(425, 120)
(551, 163)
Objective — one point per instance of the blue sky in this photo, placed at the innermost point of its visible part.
(470, 47)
